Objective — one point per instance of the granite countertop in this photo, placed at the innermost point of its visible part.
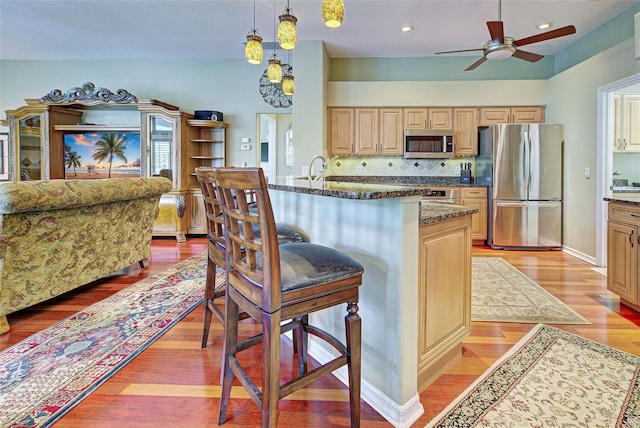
(433, 212)
(444, 181)
(624, 201)
(625, 189)
(344, 190)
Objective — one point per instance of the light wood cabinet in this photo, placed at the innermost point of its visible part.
(476, 197)
(206, 147)
(439, 118)
(499, 115)
(367, 130)
(391, 131)
(626, 123)
(341, 130)
(444, 295)
(198, 214)
(623, 254)
(465, 131)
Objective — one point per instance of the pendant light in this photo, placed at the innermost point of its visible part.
(274, 71)
(253, 49)
(288, 83)
(287, 33)
(333, 12)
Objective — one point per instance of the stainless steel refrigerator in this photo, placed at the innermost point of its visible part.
(522, 165)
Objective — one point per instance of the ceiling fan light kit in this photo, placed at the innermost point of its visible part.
(501, 47)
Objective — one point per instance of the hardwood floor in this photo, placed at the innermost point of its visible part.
(174, 383)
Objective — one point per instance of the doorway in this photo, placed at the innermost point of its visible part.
(274, 147)
(604, 158)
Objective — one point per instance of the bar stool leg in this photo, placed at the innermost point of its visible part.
(230, 345)
(353, 325)
(270, 369)
(209, 290)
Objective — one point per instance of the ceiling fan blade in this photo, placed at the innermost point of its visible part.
(463, 50)
(560, 32)
(496, 30)
(527, 56)
(475, 64)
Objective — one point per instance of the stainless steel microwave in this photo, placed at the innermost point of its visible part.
(425, 144)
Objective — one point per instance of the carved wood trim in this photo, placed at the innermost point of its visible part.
(88, 93)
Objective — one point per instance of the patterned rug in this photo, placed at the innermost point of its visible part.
(501, 293)
(551, 379)
(50, 372)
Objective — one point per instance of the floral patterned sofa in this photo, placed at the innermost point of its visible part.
(60, 234)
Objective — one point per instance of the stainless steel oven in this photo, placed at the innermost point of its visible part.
(441, 195)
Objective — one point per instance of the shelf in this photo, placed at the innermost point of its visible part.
(199, 140)
(207, 123)
(34, 148)
(97, 128)
(207, 157)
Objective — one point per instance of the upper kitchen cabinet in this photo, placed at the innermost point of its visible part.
(341, 130)
(465, 131)
(36, 152)
(626, 129)
(428, 118)
(367, 130)
(499, 115)
(391, 131)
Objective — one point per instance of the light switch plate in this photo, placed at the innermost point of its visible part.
(245, 147)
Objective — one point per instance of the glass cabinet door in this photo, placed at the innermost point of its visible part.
(161, 148)
(29, 157)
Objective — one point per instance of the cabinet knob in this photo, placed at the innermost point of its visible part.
(630, 238)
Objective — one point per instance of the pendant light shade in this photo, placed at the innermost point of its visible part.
(288, 85)
(253, 49)
(333, 13)
(287, 33)
(274, 71)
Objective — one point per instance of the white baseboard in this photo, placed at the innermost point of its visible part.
(582, 256)
(400, 416)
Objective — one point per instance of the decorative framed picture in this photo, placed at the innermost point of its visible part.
(4, 156)
(104, 154)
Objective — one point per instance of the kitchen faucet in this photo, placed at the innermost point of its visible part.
(617, 173)
(322, 170)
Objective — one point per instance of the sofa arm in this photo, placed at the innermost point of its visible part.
(27, 196)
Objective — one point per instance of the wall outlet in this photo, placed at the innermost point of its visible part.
(587, 173)
(359, 169)
(245, 146)
(305, 171)
(457, 170)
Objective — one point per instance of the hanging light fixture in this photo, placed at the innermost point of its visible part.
(274, 71)
(253, 49)
(333, 12)
(288, 83)
(287, 33)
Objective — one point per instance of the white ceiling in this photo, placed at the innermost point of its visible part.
(164, 29)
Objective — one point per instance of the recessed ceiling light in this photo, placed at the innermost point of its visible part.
(545, 25)
(406, 28)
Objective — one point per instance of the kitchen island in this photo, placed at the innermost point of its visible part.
(415, 301)
(623, 255)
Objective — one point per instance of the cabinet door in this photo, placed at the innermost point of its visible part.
(618, 119)
(632, 123)
(465, 131)
(526, 115)
(622, 260)
(29, 162)
(342, 133)
(494, 115)
(440, 119)
(476, 197)
(416, 118)
(391, 131)
(198, 217)
(161, 140)
(366, 135)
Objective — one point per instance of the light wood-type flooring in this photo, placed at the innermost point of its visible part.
(175, 383)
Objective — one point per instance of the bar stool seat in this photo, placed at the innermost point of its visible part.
(278, 286)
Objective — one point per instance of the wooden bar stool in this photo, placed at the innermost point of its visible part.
(275, 283)
(216, 246)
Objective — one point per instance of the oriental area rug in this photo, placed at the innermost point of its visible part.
(551, 378)
(501, 293)
(50, 372)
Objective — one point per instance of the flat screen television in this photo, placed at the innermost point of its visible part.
(104, 154)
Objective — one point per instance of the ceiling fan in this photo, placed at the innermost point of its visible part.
(501, 46)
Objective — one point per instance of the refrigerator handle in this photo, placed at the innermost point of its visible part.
(529, 162)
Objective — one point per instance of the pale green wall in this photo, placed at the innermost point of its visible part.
(573, 101)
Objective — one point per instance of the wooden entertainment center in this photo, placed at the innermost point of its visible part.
(43, 134)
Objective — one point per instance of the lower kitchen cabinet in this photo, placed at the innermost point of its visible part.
(198, 217)
(444, 295)
(623, 254)
(476, 197)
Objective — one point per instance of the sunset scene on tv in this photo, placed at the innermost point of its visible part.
(102, 155)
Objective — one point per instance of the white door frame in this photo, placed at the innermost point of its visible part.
(604, 159)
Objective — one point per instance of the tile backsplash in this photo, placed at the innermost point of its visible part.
(396, 166)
